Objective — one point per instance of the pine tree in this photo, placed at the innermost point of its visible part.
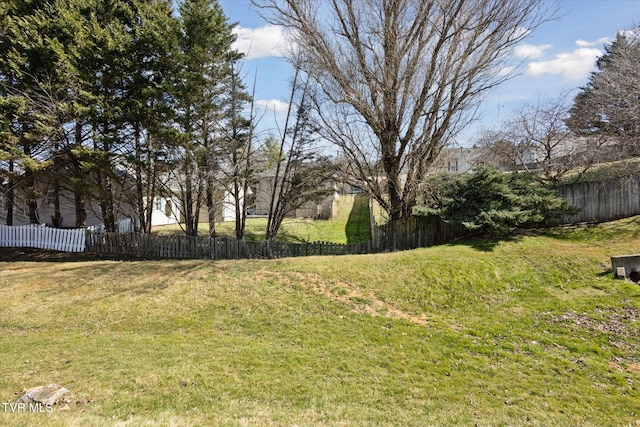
(124, 61)
(205, 53)
(609, 105)
(31, 68)
(490, 201)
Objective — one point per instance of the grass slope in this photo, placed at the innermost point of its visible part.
(533, 331)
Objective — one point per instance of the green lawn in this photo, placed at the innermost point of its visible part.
(534, 331)
(351, 225)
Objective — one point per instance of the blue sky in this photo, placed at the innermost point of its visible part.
(556, 58)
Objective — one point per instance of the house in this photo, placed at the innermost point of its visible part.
(456, 160)
(162, 212)
(323, 209)
(165, 210)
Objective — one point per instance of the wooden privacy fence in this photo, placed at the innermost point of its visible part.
(601, 201)
(191, 247)
(414, 232)
(37, 236)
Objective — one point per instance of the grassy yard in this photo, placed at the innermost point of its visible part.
(533, 331)
(351, 225)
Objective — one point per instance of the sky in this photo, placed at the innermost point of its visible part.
(555, 59)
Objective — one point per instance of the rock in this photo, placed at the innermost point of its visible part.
(46, 395)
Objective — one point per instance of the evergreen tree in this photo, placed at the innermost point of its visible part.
(235, 150)
(205, 54)
(609, 105)
(124, 62)
(489, 201)
(31, 69)
(98, 95)
(147, 104)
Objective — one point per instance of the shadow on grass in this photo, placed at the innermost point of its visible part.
(43, 255)
(249, 235)
(486, 243)
(289, 237)
(357, 228)
(595, 231)
(570, 233)
(257, 234)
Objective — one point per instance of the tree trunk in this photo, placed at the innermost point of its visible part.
(56, 218)
(106, 203)
(106, 189)
(11, 195)
(140, 208)
(211, 210)
(81, 212)
(32, 203)
(188, 204)
(29, 182)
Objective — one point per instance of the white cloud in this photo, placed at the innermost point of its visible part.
(530, 51)
(273, 105)
(260, 42)
(574, 65)
(599, 42)
(584, 43)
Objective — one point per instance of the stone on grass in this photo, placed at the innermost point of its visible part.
(46, 395)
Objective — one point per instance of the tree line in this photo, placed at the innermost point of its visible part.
(116, 102)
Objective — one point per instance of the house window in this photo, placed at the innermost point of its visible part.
(158, 203)
(453, 165)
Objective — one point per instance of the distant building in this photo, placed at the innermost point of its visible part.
(323, 209)
(456, 160)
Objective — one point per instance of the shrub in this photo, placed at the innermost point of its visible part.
(490, 201)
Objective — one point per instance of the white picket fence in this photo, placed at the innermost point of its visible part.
(38, 236)
(126, 225)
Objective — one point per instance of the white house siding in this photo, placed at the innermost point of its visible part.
(165, 211)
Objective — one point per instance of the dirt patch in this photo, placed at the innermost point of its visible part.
(356, 299)
(617, 322)
(620, 325)
(622, 365)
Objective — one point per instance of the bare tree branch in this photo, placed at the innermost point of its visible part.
(398, 79)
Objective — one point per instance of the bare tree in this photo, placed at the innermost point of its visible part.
(234, 152)
(302, 174)
(536, 137)
(398, 79)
